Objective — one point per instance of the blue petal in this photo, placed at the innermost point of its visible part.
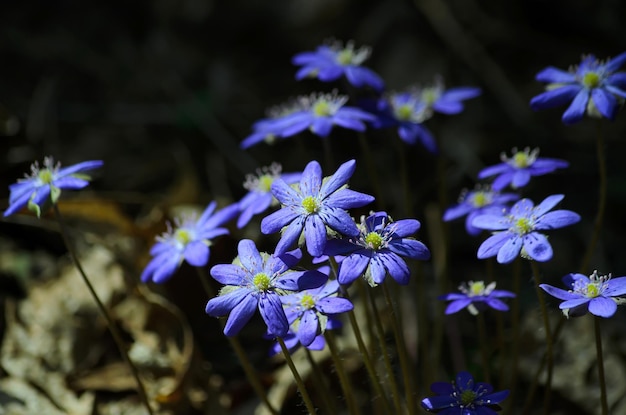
(491, 222)
(249, 256)
(615, 63)
(396, 267)
(496, 304)
(492, 245)
(271, 310)
(556, 97)
(322, 126)
(223, 304)
(290, 235)
(602, 307)
(510, 250)
(559, 293)
(547, 204)
(240, 314)
(615, 287)
(70, 182)
(352, 268)
(311, 179)
(85, 165)
(538, 247)
(229, 274)
(285, 194)
(348, 199)
(457, 211)
(493, 170)
(197, 253)
(554, 75)
(520, 179)
(341, 177)
(315, 235)
(557, 219)
(275, 221)
(309, 325)
(457, 305)
(410, 248)
(334, 305)
(339, 220)
(577, 108)
(605, 102)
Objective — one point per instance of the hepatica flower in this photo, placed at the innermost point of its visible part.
(46, 182)
(311, 309)
(593, 87)
(188, 241)
(378, 249)
(407, 112)
(519, 168)
(314, 205)
(319, 113)
(330, 62)
(476, 296)
(259, 197)
(272, 128)
(520, 229)
(596, 294)
(464, 397)
(256, 281)
(478, 202)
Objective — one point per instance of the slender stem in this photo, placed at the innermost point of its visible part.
(322, 383)
(484, 345)
(346, 386)
(383, 348)
(546, 324)
(407, 368)
(601, 199)
(239, 351)
(110, 323)
(603, 399)
(301, 387)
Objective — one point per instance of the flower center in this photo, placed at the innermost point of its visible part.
(430, 95)
(183, 236)
(467, 397)
(374, 240)
(307, 301)
(404, 112)
(322, 108)
(521, 159)
(265, 183)
(481, 199)
(45, 176)
(591, 80)
(310, 204)
(477, 288)
(345, 56)
(592, 291)
(523, 226)
(261, 281)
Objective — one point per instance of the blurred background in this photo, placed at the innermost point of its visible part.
(163, 91)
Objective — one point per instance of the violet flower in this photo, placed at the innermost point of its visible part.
(476, 297)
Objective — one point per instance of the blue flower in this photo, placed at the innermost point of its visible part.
(407, 111)
(189, 240)
(593, 87)
(256, 281)
(519, 168)
(464, 397)
(519, 229)
(259, 196)
(330, 62)
(476, 296)
(478, 202)
(45, 183)
(378, 249)
(311, 309)
(596, 294)
(447, 101)
(314, 205)
(320, 112)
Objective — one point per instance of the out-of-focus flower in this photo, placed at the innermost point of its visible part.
(189, 240)
(519, 168)
(596, 294)
(316, 204)
(46, 182)
(478, 202)
(272, 128)
(519, 229)
(476, 296)
(447, 101)
(330, 62)
(593, 87)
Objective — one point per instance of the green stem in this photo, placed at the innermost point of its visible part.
(110, 323)
(484, 345)
(407, 367)
(603, 398)
(601, 199)
(322, 383)
(346, 386)
(239, 351)
(383, 348)
(546, 324)
(301, 387)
